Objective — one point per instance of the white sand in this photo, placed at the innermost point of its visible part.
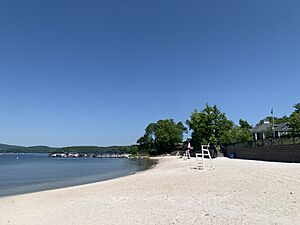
(236, 192)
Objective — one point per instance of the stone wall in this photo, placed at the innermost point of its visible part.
(278, 153)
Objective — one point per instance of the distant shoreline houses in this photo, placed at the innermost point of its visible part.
(267, 130)
(82, 155)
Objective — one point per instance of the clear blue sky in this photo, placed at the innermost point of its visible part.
(97, 72)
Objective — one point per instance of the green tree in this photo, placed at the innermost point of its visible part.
(133, 149)
(297, 107)
(295, 120)
(145, 143)
(244, 124)
(229, 137)
(281, 119)
(236, 135)
(161, 137)
(208, 125)
(244, 135)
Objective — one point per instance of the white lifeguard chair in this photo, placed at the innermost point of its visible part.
(200, 157)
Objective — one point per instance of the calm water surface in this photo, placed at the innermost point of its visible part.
(24, 173)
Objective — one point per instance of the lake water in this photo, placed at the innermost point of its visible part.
(24, 173)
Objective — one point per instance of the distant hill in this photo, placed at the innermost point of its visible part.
(42, 149)
(97, 149)
(4, 148)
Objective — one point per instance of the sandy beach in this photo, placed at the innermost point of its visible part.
(174, 192)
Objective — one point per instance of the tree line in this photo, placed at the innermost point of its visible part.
(133, 149)
(209, 125)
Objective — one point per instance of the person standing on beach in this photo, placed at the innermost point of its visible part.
(189, 147)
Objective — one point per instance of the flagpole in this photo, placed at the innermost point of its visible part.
(273, 123)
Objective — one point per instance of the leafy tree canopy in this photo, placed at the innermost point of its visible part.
(244, 124)
(297, 107)
(161, 137)
(295, 119)
(236, 135)
(208, 125)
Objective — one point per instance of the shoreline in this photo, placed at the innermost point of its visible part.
(172, 192)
